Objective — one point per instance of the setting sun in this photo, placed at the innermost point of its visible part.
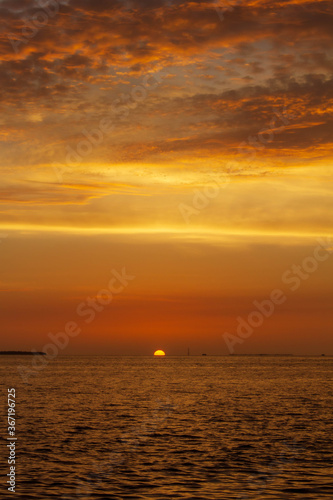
(159, 352)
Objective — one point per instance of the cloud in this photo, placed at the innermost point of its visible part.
(270, 54)
(222, 83)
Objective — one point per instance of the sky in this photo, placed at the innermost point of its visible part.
(166, 165)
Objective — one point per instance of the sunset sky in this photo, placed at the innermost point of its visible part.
(185, 141)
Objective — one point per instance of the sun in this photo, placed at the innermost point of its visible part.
(159, 352)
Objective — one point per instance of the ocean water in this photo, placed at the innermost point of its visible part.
(234, 427)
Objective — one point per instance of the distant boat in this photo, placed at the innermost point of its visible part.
(203, 354)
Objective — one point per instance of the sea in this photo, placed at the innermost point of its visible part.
(194, 427)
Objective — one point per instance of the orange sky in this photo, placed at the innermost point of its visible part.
(192, 150)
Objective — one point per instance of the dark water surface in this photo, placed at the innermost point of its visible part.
(173, 427)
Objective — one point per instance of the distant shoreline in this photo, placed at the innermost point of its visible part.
(22, 353)
(41, 353)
